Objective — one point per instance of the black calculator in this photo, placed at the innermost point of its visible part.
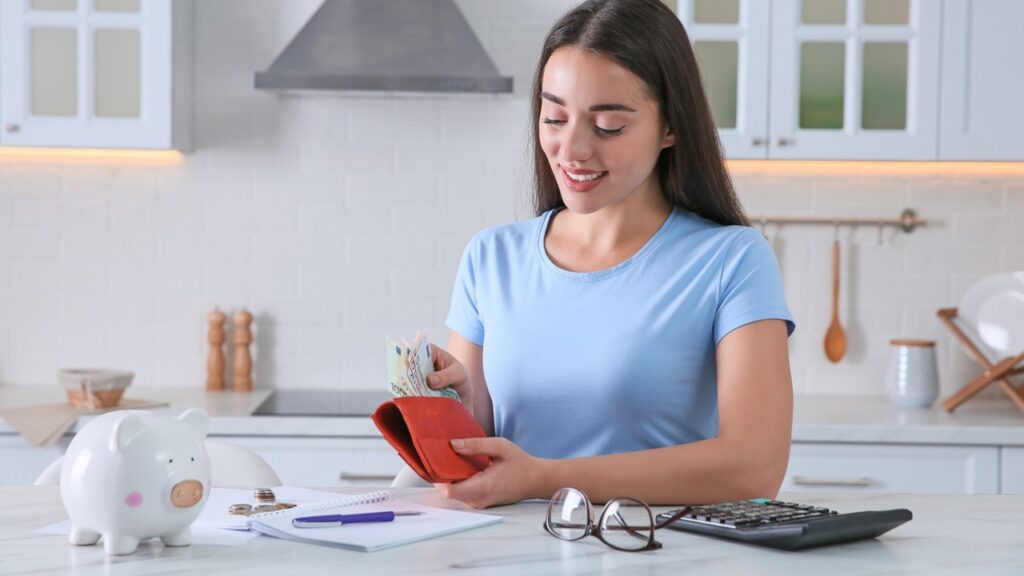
(785, 525)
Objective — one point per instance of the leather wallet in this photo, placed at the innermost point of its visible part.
(420, 428)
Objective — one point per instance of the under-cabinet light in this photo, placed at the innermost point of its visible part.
(90, 156)
(864, 168)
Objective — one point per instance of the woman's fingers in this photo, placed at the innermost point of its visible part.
(450, 373)
(494, 447)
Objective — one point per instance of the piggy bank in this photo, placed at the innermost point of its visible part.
(130, 475)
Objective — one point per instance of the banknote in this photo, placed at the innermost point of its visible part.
(408, 368)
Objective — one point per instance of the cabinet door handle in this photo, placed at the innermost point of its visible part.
(11, 127)
(811, 481)
(785, 142)
(756, 141)
(366, 477)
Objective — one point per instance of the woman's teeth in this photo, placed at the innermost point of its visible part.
(585, 177)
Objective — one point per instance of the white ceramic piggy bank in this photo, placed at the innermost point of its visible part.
(130, 475)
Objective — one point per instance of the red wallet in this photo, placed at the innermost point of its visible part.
(420, 427)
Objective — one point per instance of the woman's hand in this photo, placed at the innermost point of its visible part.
(512, 476)
(449, 372)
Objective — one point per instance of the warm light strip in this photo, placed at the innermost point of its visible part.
(846, 168)
(98, 156)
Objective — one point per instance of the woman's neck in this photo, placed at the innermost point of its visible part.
(602, 239)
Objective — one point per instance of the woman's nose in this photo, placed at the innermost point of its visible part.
(576, 143)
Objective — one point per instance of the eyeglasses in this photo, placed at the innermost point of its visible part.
(624, 524)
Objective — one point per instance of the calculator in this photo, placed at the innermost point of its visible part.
(785, 525)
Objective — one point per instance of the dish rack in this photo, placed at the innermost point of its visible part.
(998, 372)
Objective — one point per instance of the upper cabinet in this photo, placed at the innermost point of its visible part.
(860, 79)
(95, 73)
(731, 39)
(982, 80)
(854, 79)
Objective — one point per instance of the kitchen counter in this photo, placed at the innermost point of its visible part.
(230, 412)
(873, 419)
(948, 535)
(815, 419)
(839, 442)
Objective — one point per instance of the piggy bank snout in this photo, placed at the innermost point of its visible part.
(186, 493)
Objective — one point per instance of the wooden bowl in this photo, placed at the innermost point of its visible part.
(94, 388)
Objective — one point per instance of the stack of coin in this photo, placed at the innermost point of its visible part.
(265, 496)
(266, 501)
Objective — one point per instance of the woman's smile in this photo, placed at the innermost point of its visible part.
(581, 180)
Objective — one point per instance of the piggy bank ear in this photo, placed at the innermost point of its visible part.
(197, 420)
(126, 429)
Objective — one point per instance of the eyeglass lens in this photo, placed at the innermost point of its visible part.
(627, 524)
(569, 514)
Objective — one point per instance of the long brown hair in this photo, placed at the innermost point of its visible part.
(648, 39)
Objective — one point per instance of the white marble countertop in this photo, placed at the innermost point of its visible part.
(870, 419)
(873, 419)
(948, 535)
(230, 412)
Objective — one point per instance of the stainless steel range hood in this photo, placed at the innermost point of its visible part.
(385, 45)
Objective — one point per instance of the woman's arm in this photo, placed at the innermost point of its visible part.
(747, 459)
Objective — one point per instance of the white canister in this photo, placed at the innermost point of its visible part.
(913, 377)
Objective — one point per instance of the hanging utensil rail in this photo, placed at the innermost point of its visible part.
(908, 220)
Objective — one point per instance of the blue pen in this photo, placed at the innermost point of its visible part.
(332, 520)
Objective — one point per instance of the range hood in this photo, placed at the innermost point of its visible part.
(385, 45)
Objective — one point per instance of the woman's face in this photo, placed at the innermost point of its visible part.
(599, 129)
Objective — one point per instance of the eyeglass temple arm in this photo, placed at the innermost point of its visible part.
(683, 512)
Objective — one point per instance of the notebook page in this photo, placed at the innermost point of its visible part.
(372, 536)
(215, 512)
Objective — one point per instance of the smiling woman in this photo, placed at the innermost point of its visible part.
(631, 339)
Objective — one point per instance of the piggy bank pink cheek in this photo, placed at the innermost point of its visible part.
(133, 499)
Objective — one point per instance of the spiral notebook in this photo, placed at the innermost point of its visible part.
(368, 537)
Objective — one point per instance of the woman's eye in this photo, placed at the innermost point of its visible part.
(609, 131)
(553, 122)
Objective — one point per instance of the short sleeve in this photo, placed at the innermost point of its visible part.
(750, 287)
(464, 315)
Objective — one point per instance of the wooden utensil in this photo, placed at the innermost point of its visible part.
(835, 338)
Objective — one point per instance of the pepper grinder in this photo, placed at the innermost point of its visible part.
(243, 357)
(215, 364)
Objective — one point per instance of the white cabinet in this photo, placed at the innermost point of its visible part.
(21, 463)
(931, 469)
(95, 73)
(730, 39)
(856, 82)
(297, 460)
(820, 79)
(982, 80)
(324, 462)
(1011, 471)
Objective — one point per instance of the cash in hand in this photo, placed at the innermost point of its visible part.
(409, 366)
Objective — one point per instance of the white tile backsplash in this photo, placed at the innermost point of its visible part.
(337, 219)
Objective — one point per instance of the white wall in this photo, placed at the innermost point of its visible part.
(337, 220)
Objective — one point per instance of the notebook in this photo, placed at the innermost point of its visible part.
(368, 537)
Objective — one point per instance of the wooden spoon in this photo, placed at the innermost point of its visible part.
(835, 338)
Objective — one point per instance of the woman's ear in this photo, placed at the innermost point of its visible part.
(668, 140)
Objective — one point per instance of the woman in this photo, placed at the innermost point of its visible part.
(631, 340)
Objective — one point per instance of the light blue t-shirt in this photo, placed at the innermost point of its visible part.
(623, 359)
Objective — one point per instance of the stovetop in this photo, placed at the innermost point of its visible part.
(322, 403)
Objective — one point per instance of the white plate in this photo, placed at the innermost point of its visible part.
(994, 308)
(1001, 322)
